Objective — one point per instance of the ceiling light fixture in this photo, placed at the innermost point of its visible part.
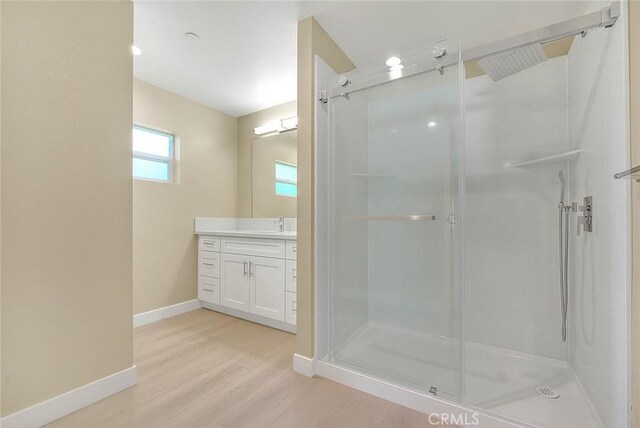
(395, 64)
(394, 61)
(432, 124)
(136, 51)
(279, 126)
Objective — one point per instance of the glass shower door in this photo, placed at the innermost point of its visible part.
(394, 224)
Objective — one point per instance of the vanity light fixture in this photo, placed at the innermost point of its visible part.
(279, 126)
(136, 51)
(267, 129)
(289, 124)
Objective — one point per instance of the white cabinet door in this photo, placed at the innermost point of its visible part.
(267, 287)
(234, 278)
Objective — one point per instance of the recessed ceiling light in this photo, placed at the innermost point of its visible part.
(191, 36)
(394, 61)
(136, 51)
(432, 124)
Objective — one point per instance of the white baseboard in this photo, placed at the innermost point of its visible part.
(166, 312)
(304, 365)
(62, 405)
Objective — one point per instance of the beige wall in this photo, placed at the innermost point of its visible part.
(246, 124)
(634, 91)
(1, 413)
(164, 246)
(266, 152)
(66, 196)
(312, 40)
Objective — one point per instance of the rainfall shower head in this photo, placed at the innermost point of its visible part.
(504, 64)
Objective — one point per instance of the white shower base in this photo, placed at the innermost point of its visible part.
(497, 380)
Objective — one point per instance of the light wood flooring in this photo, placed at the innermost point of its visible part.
(206, 369)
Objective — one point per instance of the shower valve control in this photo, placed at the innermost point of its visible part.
(585, 221)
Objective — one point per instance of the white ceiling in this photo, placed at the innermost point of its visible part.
(245, 60)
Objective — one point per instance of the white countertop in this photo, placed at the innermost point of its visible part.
(262, 228)
(250, 234)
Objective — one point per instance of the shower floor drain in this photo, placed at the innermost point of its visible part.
(547, 392)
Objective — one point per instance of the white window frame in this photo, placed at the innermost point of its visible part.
(279, 180)
(156, 158)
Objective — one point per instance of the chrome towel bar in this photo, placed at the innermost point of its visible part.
(629, 174)
(410, 217)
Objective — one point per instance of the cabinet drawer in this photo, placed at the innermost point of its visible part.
(292, 250)
(290, 308)
(292, 275)
(209, 243)
(209, 289)
(253, 247)
(209, 264)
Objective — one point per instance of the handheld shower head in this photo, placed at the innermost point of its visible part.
(562, 186)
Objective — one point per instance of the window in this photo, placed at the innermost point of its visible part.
(286, 179)
(152, 154)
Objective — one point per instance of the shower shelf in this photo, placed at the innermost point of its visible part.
(560, 157)
(408, 217)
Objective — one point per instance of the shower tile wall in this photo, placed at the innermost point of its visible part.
(511, 225)
(599, 274)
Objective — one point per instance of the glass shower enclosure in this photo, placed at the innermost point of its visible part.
(443, 247)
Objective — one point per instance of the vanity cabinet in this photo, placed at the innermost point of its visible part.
(253, 277)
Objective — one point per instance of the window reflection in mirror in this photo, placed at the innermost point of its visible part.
(274, 180)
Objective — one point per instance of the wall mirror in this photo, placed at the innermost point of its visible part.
(274, 175)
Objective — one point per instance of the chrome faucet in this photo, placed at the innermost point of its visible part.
(280, 222)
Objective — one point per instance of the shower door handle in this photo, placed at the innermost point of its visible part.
(404, 217)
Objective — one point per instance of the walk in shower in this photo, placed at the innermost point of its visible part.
(453, 271)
